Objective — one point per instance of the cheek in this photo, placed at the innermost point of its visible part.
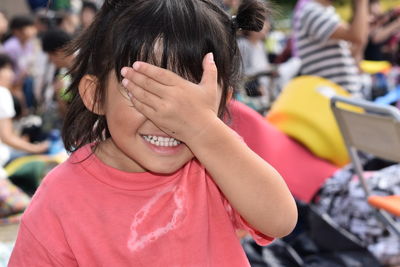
(122, 118)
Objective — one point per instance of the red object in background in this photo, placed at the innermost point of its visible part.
(303, 172)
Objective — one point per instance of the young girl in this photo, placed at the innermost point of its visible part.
(155, 178)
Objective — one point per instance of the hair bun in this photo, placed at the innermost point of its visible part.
(251, 15)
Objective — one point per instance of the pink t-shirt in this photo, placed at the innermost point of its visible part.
(86, 213)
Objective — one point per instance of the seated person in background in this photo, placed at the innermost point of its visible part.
(68, 22)
(21, 48)
(255, 58)
(53, 43)
(88, 13)
(44, 20)
(329, 48)
(383, 26)
(8, 138)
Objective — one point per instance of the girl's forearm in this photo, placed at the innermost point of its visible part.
(251, 185)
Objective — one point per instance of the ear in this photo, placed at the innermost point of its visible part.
(87, 90)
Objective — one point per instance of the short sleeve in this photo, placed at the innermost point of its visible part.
(240, 224)
(41, 239)
(319, 22)
(6, 104)
(29, 252)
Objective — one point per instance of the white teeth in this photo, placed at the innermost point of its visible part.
(161, 140)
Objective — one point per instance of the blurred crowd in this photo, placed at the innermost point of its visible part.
(34, 72)
(319, 43)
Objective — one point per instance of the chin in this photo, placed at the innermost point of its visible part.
(165, 169)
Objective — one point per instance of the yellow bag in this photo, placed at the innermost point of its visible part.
(303, 112)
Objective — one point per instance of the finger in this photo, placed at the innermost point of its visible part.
(147, 111)
(210, 73)
(163, 76)
(133, 78)
(143, 95)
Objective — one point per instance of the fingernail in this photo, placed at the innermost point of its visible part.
(136, 65)
(124, 71)
(130, 94)
(125, 82)
(211, 57)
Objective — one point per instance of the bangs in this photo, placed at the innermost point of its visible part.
(171, 38)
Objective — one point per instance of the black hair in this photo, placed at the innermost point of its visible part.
(90, 5)
(128, 30)
(54, 40)
(20, 22)
(5, 61)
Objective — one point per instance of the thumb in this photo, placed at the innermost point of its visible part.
(210, 73)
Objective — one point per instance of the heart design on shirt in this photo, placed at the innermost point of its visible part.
(141, 235)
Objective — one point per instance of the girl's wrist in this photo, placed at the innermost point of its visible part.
(206, 134)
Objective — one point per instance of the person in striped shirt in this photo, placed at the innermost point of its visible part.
(328, 47)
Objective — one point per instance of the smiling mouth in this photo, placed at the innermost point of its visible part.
(161, 141)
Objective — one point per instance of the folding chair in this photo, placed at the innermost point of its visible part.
(373, 129)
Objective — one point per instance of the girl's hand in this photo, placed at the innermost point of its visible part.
(180, 108)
